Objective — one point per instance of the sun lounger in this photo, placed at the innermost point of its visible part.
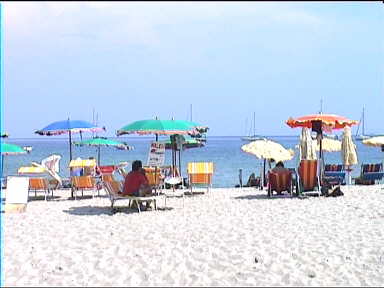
(370, 173)
(308, 180)
(154, 177)
(113, 189)
(279, 181)
(84, 183)
(334, 174)
(200, 175)
(39, 184)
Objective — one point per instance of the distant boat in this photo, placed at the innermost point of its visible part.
(361, 136)
(27, 148)
(254, 136)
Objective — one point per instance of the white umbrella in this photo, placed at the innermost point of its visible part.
(348, 150)
(267, 149)
(376, 141)
(307, 145)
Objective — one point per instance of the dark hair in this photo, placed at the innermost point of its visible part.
(280, 164)
(136, 165)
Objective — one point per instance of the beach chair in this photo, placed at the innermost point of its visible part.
(370, 173)
(200, 175)
(334, 174)
(279, 181)
(307, 177)
(39, 184)
(155, 179)
(114, 188)
(84, 183)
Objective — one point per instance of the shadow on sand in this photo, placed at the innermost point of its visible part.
(107, 210)
(265, 197)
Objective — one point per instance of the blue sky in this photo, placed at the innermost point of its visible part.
(137, 60)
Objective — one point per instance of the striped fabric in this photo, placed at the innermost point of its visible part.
(83, 163)
(106, 169)
(308, 174)
(153, 175)
(83, 182)
(200, 168)
(333, 167)
(372, 167)
(38, 184)
(280, 181)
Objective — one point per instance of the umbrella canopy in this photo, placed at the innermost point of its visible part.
(267, 149)
(329, 145)
(66, 126)
(31, 170)
(69, 126)
(98, 142)
(160, 127)
(377, 141)
(11, 149)
(329, 121)
(348, 151)
(189, 142)
(307, 146)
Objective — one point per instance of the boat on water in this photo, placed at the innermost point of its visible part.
(361, 136)
(254, 136)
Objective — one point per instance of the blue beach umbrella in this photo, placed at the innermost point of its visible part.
(69, 126)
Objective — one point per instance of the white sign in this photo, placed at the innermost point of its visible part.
(17, 190)
(156, 154)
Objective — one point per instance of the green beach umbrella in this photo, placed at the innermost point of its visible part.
(11, 149)
(159, 127)
(99, 141)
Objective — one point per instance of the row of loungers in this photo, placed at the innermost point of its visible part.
(306, 181)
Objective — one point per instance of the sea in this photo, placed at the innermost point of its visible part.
(224, 151)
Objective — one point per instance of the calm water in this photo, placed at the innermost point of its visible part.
(224, 152)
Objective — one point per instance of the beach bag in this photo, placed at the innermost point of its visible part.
(336, 192)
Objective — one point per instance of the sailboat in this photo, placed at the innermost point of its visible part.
(252, 137)
(363, 135)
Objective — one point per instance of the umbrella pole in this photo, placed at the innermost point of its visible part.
(98, 155)
(182, 185)
(70, 155)
(264, 180)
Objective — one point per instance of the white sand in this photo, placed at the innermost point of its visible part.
(234, 237)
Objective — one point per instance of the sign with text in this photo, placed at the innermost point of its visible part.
(156, 154)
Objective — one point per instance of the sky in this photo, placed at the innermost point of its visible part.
(128, 61)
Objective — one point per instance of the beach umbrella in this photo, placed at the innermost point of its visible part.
(99, 141)
(307, 146)
(9, 149)
(267, 149)
(377, 141)
(328, 145)
(348, 150)
(319, 123)
(161, 127)
(69, 126)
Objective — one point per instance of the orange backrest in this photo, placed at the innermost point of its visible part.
(38, 183)
(153, 175)
(200, 178)
(280, 181)
(83, 182)
(107, 177)
(308, 174)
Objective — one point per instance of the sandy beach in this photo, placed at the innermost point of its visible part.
(231, 237)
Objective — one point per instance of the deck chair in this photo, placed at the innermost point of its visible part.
(39, 184)
(279, 182)
(84, 183)
(200, 175)
(307, 177)
(334, 174)
(155, 178)
(113, 189)
(370, 173)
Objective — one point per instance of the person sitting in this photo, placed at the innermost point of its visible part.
(136, 183)
(279, 167)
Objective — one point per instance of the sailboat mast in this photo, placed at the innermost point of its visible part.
(254, 123)
(191, 112)
(363, 120)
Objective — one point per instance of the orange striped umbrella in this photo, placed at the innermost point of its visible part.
(330, 121)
